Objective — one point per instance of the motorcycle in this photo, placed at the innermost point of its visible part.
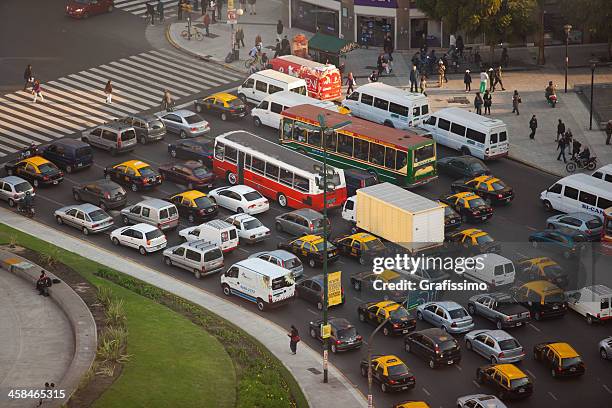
(28, 211)
(578, 163)
(551, 100)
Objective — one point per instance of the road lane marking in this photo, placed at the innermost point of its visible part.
(607, 389)
(312, 311)
(530, 374)
(476, 383)
(535, 328)
(553, 396)
(425, 391)
(458, 367)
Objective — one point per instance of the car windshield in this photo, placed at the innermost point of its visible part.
(98, 215)
(156, 233)
(346, 333)
(553, 271)
(282, 282)
(476, 202)
(117, 191)
(399, 369)
(568, 362)
(595, 223)
(508, 344)
(448, 345)
(252, 196)
(557, 297)
(21, 187)
(236, 103)
(252, 224)
(374, 245)
(292, 263)
(399, 314)
(203, 202)
(457, 313)
(193, 119)
(477, 167)
(484, 239)
(146, 172)
(156, 124)
(498, 185)
(319, 246)
(519, 382)
(201, 172)
(46, 168)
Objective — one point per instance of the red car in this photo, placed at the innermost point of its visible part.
(86, 8)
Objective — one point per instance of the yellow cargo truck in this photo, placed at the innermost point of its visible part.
(397, 215)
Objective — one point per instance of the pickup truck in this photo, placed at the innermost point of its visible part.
(592, 302)
(500, 308)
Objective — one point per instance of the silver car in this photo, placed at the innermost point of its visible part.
(497, 346)
(587, 224)
(116, 137)
(479, 401)
(301, 222)
(13, 189)
(86, 217)
(284, 259)
(605, 348)
(148, 127)
(185, 123)
(449, 316)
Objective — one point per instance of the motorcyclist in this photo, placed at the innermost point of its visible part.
(585, 155)
(26, 202)
(29, 151)
(550, 90)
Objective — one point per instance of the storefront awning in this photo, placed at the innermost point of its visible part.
(332, 45)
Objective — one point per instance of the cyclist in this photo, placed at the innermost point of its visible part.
(167, 103)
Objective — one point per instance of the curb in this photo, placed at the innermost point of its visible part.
(193, 54)
(534, 166)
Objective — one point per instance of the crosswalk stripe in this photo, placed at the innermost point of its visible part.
(18, 108)
(208, 67)
(47, 107)
(152, 73)
(36, 130)
(191, 81)
(32, 134)
(98, 91)
(36, 119)
(26, 141)
(86, 100)
(93, 92)
(183, 71)
(152, 84)
(85, 105)
(136, 87)
(120, 86)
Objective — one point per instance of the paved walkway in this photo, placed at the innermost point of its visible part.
(272, 336)
(36, 340)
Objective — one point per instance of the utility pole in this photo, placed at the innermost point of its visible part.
(567, 28)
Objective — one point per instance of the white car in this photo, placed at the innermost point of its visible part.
(250, 229)
(86, 217)
(240, 199)
(479, 401)
(13, 189)
(146, 238)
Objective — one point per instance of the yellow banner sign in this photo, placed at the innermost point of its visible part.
(334, 288)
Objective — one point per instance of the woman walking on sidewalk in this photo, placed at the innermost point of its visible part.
(37, 91)
(294, 339)
(350, 83)
(108, 90)
(516, 99)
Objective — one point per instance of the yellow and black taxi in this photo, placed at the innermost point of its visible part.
(399, 320)
(452, 219)
(561, 358)
(226, 105)
(35, 169)
(390, 372)
(309, 248)
(471, 241)
(136, 174)
(469, 206)
(508, 380)
(541, 268)
(411, 404)
(542, 298)
(361, 245)
(491, 189)
(195, 206)
(343, 335)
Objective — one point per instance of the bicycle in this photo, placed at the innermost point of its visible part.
(189, 35)
(253, 61)
(148, 17)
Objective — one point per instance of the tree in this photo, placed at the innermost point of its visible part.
(591, 15)
(496, 19)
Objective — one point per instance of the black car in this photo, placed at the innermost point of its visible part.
(491, 189)
(198, 148)
(435, 346)
(227, 106)
(357, 178)
(462, 166)
(343, 334)
(104, 193)
(390, 372)
(311, 290)
(400, 321)
(195, 206)
(452, 219)
(148, 128)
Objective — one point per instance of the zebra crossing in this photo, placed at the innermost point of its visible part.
(139, 7)
(77, 101)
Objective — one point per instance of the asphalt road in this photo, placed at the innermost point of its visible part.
(74, 45)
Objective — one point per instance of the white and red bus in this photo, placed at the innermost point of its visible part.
(286, 176)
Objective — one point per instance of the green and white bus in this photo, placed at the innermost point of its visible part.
(406, 158)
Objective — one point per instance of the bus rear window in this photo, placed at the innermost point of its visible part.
(299, 90)
(424, 153)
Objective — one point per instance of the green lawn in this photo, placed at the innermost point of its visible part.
(173, 362)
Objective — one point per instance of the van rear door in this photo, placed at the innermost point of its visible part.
(498, 142)
(605, 307)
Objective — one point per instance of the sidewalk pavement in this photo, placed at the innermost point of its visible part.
(272, 336)
(37, 341)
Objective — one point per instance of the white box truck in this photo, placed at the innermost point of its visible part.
(397, 215)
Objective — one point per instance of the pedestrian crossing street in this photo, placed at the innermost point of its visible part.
(139, 7)
(77, 101)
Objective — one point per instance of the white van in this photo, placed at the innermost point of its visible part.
(578, 193)
(592, 302)
(496, 270)
(267, 82)
(604, 173)
(260, 282)
(459, 129)
(220, 233)
(268, 111)
(388, 105)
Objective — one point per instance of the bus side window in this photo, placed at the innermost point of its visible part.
(390, 158)
(287, 129)
(402, 161)
(331, 141)
(571, 192)
(345, 144)
(377, 153)
(219, 149)
(314, 138)
(286, 177)
(362, 149)
(299, 134)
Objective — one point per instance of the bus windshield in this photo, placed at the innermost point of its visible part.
(424, 153)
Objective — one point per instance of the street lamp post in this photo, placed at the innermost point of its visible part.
(370, 342)
(593, 66)
(324, 130)
(567, 28)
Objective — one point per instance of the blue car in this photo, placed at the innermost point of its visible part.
(199, 148)
(568, 242)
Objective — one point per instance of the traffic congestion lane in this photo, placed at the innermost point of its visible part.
(300, 313)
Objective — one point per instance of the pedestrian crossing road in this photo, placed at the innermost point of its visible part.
(139, 7)
(77, 101)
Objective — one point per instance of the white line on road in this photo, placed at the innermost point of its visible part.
(458, 367)
(425, 391)
(552, 396)
(312, 311)
(530, 374)
(243, 250)
(476, 384)
(357, 299)
(607, 388)
(535, 328)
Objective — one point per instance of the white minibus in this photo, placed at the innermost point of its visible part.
(578, 193)
(267, 82)
(471, 134)
(604, 173)
(388, 105)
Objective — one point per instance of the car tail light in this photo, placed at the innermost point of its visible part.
(508, 318)
(437, 349)
(201, 211)
(95, 225)
(359, 337)
(159, 225)
(392, 382)
(45, 178)
(148, 242)
(15, 195)
(61, 174)
(232, 110)
(338, 342)
(499, 196)
(270, 298)
(501, 355)
(106, 195)
(312, 227)
(598, 315)
(119, 142)
(588, 231)
(251, 206)
(209, 156)
(193, 129)
(453, 324)
(396, 325)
